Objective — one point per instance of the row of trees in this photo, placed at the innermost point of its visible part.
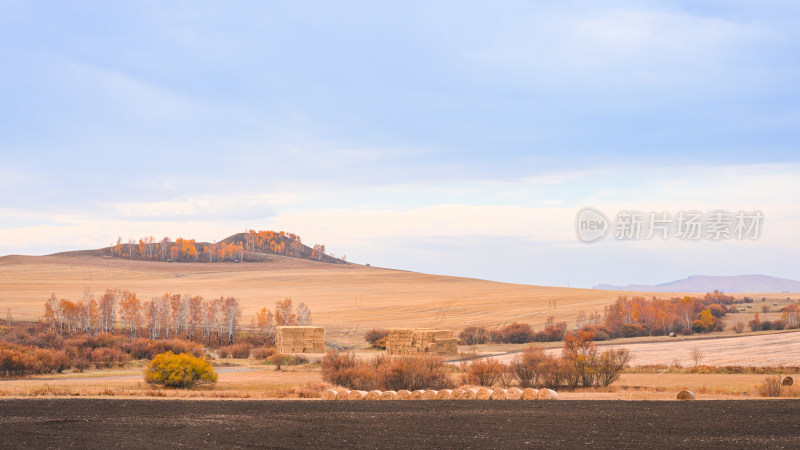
(277, 242)
(627, 317)
(216, 321)
(284, 315)
(639, 316)
(239, 249)
(514, 333)
(179, 250)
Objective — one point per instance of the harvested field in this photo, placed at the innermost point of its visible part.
(346, 300)
(777, 349)
(90, 423)
(757, 350)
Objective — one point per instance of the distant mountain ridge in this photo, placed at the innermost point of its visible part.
(707, 283)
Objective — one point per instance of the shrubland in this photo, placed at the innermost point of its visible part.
(580, 365)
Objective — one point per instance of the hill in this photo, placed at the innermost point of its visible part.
(346, 299)
(706, 283)
(241, 247)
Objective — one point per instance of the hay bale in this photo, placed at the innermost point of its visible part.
(430, 395)
(514, 393)
(499, 394)
(787, 381)
(342, 395)
(329, 394)
(403, 394)
(444, 394)
(457, 394)
(686, 395)
(469, 394)
(357, 395)
(373, 395)
(484, 394)
(417, 395)
(389, 395)
(530, 394)
(547, 394)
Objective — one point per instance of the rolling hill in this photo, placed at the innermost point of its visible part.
(346, 299)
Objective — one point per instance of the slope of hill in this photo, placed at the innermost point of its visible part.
(706, 283)
(346, 299)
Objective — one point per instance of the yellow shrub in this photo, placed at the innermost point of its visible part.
(181, 371)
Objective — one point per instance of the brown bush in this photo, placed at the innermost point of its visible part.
(334, 365)
(141, 348)
(612, 363)
(81, 363)
(771, 387)
(410, 373)
(557, 373)
(107, 357)
(517, 333)
(239, 351)
(16, 362)
(527, 367)
(262, 352)
(601, 332)
(279, 359)
(553, 332)
(375, 335)
(474, 335)
(103, 340)
(484, 372)
(19, 361)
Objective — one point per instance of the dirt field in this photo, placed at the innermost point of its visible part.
(412, 424)
(345, 299)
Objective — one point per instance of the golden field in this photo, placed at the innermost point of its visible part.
(346, 300)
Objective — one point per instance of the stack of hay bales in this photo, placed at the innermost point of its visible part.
(300, 339)
(420, 341)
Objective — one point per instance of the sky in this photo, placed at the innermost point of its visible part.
(458, 138)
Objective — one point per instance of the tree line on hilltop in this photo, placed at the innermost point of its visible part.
(237, 248)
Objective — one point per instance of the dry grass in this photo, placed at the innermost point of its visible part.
(345, 299)
(296, 382)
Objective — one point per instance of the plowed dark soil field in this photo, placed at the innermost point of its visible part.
(93, 423)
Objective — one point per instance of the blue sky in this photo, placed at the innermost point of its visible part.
(447, 137)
